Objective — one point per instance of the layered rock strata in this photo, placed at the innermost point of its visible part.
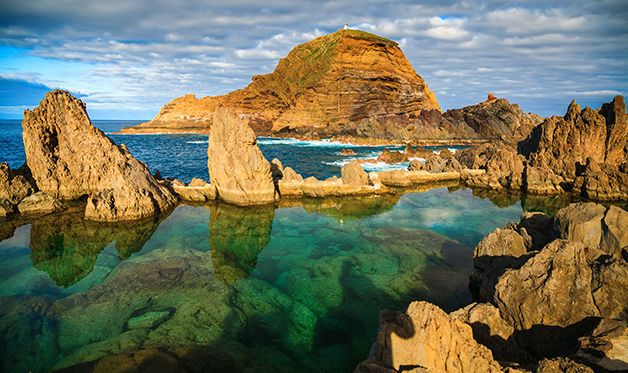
(69, 158)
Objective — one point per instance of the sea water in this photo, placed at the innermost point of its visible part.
(293, 287)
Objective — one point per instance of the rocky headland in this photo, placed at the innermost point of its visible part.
(351, 86)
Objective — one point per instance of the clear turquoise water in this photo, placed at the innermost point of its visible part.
(296, 287)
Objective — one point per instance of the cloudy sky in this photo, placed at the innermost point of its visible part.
(127, 58)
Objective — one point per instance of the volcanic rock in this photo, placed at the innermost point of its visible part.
(70, 158)
(581, 222)
(606, 346)
(562, 365)
(495, 119)
(561, 142)
(197, 191)
(426, 337)
(392, 156)
(601, 181)
(378, 86)
(436, 164)
(40, 203)
(562, 285)
(237, 167)
(14, 186)
(353, 174)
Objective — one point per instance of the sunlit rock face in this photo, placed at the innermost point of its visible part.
(69, 158)
(348, 82)
(237, 167)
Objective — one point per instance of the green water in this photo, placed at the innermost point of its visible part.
(293, 288)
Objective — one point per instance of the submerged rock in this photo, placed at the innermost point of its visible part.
(69, 158)
(237, 167)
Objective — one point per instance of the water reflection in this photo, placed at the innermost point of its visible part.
(236, 236)
(298, 287)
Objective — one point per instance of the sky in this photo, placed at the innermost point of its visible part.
(127, 58)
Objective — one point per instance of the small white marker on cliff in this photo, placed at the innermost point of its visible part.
(346, 26)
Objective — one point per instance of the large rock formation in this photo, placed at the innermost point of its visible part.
(560, 143)
(585, 151)
(237, 167)
(345, 77)
(495, 119)
(69, 158)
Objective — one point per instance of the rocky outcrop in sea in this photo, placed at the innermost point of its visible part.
(69, 158)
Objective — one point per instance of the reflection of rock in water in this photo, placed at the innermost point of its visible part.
(350, 208)
(236, 237)
(66, 245)
(547, 204)
(500, 198)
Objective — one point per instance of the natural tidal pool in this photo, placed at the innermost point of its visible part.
(297, 287)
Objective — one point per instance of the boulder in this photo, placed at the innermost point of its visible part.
(562, 285)
(291, 183)
(542, 180)
(197, 190)
(70, 158)
(40, 203)
(536, 228)
(490, 330)
(436, 164)
(580, 222)
(14, 186)
(237, 167)
(607, 346)
(615, 232)
(499, 243)
(392, 156)
(425, 337)
(602, 182)
(353, 174)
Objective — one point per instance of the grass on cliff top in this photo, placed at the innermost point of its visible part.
(316, 56)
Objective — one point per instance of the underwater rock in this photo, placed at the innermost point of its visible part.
(70, 158)
(426, 337)
(40, 203)
(148, 320)
(237, 167)
(66, 246)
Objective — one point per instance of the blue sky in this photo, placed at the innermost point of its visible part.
(127, 58)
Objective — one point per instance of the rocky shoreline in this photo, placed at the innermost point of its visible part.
(551, 297)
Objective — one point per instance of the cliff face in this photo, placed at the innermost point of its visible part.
(332, 82)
